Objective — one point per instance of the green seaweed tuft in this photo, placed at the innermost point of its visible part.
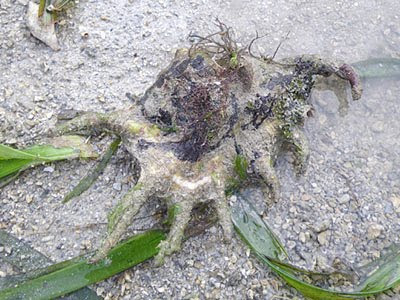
(240, 167)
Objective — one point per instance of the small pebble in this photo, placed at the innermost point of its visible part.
(321, 226)
(48, 169)
(8, 93)
(11, 141)
(374, 231)
(47, 238)
(38, 99)
(291, 244)
(302, 237)
(323, 238)
(29, 199)
(234, 258)
(378, 127)
(190, 262)
(344, 199)
(117, 186)
(396, 203)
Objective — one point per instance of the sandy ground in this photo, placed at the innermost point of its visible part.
(344, 211)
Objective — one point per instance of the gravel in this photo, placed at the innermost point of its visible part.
(346, 208)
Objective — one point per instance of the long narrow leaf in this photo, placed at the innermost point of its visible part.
(121, 257)
(255, 232)
(14, 161)
(378, 67)
(7, 152)
(253, 229)
(51, 153)
(81, 273)
(11, 166)
(26, 259)
(385, 274)
(41, 8)
(91, 177)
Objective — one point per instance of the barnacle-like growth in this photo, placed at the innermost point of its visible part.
(215, 117)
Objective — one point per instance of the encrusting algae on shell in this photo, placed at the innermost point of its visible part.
(212, 104)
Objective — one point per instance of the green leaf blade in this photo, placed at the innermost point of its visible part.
(8, 167)
(24, 257)
(51, 153)
(257, 235)
(386, 273)
(7, 152)
(67, 147)
(384, 276)
(80, 272)
(86, 182)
